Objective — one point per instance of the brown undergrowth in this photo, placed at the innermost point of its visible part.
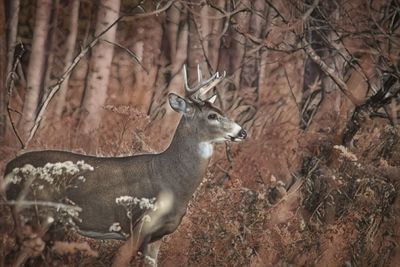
(329, 206)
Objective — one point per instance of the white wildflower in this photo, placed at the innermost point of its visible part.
(70, 168)
(145, 203)
(28, 169)
(115, 227)
(51, 170)
(146, 218)
(84, 166)
(124, 200)
(54, 168)
(46, 173)
(12, 178)
(72, 212)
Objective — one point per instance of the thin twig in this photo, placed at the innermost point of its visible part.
(225, 14)
(155, 12)
(130, 52)
(10, 86)
(291, 92)
(44, 203)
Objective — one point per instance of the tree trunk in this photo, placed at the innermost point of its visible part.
(36, 65)
(102, 54)
(195, 47)
(170, 78)
(147, 48)
(250, 71)
(3, 73)
(50, 47)
(231, 55)
(69, 56)
(214, 38)
(12, 29)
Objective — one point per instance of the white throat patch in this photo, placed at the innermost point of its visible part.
(205, 149)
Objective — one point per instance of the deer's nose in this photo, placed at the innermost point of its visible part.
(242, 133)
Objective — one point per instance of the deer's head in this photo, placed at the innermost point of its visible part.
(204, 119)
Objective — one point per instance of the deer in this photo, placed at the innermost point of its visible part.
(138, 198)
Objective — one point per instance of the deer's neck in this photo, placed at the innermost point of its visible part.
(185, 161)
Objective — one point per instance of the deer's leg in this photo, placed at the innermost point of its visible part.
(139, 238)
(152, 221)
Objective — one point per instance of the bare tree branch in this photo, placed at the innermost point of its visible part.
(10, 87)
(148, 14)
(130, 52)
(330, 72)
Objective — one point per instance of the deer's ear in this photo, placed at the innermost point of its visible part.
(179, 104)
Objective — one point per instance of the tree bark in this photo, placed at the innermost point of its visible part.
(232, 53)
(69, 56)
(148, 50)
(195, 47)
(36, 65)
(102, 54)
(170, 78)
(12, 29)
(50, 47)
(250, 71)
(214, 37)
(3, 72)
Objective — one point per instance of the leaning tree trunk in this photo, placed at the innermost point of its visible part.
(36, 65)
(102, 54)
(12, 29)
(3, 92)
(11, 39)
(70, 47)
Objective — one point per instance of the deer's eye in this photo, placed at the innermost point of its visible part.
(212, 116)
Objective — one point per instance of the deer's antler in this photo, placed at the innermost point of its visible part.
(201, 88)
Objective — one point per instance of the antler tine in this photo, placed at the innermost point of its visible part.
(199, 74)
(210, 83)
(189, 90)
(185, 81)
(202, 87)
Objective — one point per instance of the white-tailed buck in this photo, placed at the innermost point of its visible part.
(140, 198)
